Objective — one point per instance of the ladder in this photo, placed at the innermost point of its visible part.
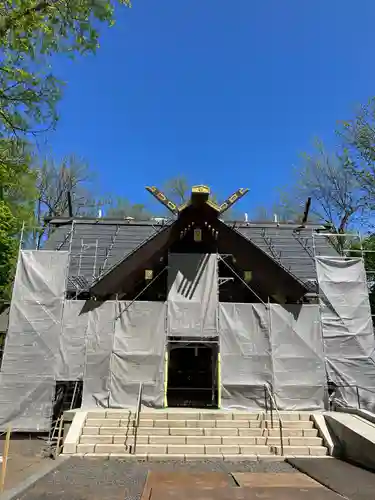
(68, 401)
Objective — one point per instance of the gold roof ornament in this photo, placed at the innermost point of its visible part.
(200, 194)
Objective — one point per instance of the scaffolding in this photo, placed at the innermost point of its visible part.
(352, 246)
(270, 321)
(347, 320)
(347, 245)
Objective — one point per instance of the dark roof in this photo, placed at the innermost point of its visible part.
(294, 248)
(99, 244)
(268, 275)
(116, 279)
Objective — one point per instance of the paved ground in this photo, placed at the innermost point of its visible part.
(95, 478)
(91, 479)
(102, 479)
(25, 459)
(346, 479)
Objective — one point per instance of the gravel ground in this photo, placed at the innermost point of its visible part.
(25, 458)
(84, 479)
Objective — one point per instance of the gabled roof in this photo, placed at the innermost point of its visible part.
(116, 278)
(99, 244)
(268, 276)
(294, 247)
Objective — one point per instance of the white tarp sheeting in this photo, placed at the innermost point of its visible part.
(138, 354)
(72, 342)
(280, 345)
(125, 345)
(26, 402)
(347, 329)
(113, 346)
(35, 315)
(192, 295)
(246, 363)
(32, 344)
(297, 355)
(99, 342)
(110, 346)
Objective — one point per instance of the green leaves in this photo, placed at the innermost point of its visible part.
(8, 250)
(31, 32)
(17, 180)
(358, 137)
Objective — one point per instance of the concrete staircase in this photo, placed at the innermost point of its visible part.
(183, 434)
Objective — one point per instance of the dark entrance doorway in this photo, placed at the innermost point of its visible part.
(193, 372)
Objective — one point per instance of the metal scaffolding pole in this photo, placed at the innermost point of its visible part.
(142, 291)
(242, 281)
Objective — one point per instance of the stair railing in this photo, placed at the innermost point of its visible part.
(137, 417)
(270, 404)
(332, 389)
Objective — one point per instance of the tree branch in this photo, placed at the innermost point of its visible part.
(9, 21)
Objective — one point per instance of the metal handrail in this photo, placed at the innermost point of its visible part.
(268, 391)
(137, 417)
(350, 386)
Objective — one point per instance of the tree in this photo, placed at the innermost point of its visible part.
(178, 190)
(358, 137)
(8, 249)
(367, 250)
(122, 209)
(17, 201)
(59, 185)
(17, 180)
(283, 212)
(337, 196)
(31, 32)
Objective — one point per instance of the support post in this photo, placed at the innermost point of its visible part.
(242, 281)
(5, 460)
(21, 237)
(358, 399)
(219, 380)
(166, 359)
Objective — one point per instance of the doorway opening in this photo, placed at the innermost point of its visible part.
(193, 372)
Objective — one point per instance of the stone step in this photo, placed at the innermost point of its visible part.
(195, 449)
(117, 414)
(209, 431)
(168, 457)
(184, 415)
(292, 415)
(221, 415)
(107, 422)
(290, 424)
(109, 430)
(202, 449)
(198, 415)
(295, 441)
(217, 431)
(301, 450)
(199, 423)
(202, 423)
(180, 440)
(102, 448)
(292, 432)
(167, 431)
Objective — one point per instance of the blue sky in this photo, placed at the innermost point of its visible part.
(226, 93)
